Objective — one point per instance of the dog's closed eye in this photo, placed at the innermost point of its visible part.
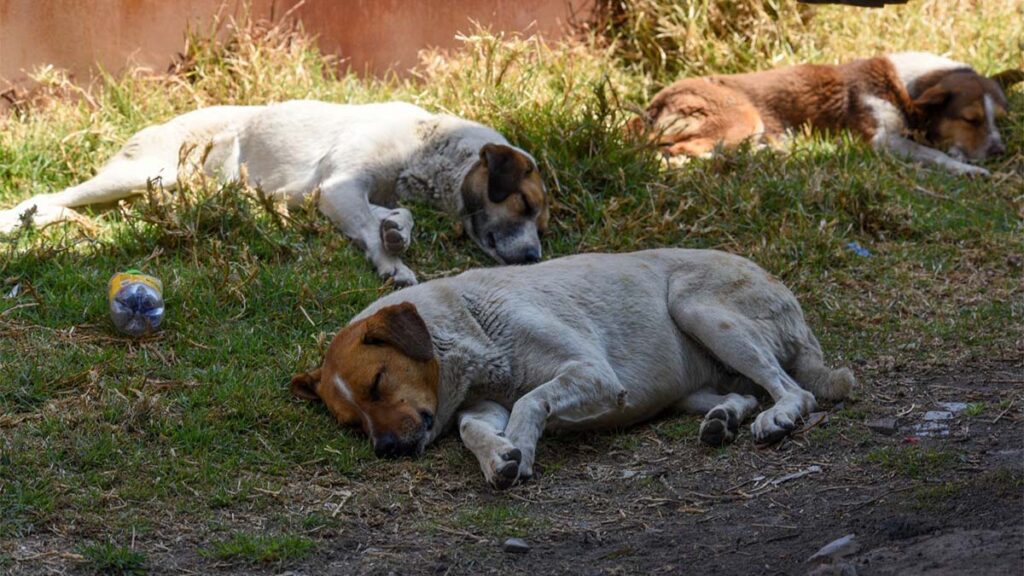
(375, 387)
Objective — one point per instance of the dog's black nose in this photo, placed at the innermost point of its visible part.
(531, 256)
(386, 446)
(996, 149)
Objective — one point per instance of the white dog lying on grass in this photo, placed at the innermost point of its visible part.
(363, 159)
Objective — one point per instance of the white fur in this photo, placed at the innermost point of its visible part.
(606, 340)
(994, 138)
(346, 393)
(361, 157)
(912, 65)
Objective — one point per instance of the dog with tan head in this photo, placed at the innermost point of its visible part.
(359, 161)
(582, 342)
(918, 105)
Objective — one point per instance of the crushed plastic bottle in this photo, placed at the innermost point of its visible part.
(136, 302)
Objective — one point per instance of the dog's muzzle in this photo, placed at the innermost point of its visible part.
(389, 445)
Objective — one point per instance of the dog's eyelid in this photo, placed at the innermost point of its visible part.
(375, 387)
(528, 207)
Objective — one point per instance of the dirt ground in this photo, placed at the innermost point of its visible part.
(653, 501)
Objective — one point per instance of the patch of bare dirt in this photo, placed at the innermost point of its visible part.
(654, 501)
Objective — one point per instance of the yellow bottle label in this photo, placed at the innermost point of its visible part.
(124, 278)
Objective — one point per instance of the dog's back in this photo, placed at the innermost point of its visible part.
(626, 308)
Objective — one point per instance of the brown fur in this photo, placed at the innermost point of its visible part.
(504, 187)
(951, 108)
(387, 362)
(694, 115)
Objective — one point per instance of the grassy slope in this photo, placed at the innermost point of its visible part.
(102, 438)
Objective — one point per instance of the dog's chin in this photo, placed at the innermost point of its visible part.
(492, 252)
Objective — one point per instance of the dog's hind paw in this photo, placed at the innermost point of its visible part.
(396, 233)
(719, 427)
(505, 471)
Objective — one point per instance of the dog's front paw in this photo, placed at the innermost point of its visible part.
(965, 169)
(395, 233)
(403, 276)
(776, 422)
(399, 273)
(971, 170)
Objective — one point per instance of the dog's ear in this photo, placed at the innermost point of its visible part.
(1008, 78)
(932, 98)
(400, 326)
(503, 172)
(304, 385)
(638, 126)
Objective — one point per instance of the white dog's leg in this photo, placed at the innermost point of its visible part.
(918, 153)
(395, 228)
(118, 179)
(345, 201)
(482, 430)
(723, 414)
(581, 392)
(737, 343)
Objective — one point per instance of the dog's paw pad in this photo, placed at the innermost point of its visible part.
(713, 433)
(394, 237)
(508, 470)
(513, 455)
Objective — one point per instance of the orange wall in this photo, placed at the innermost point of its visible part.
(371, 34)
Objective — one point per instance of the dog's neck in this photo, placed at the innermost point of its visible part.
(450, 148)
(471, 361)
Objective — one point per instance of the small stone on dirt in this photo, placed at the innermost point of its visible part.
(885, 426)
(515, 546)
(836, 549)
(954, 407)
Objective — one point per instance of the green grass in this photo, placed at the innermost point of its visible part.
(975, 409)
(912, 461)
(683, 428)
(101, 435)
(498, 521)
(110, 559)
(936, 496)
(260, 549)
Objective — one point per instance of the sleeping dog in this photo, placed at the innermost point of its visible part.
(582, 342)
(885, 100)
(361, 158)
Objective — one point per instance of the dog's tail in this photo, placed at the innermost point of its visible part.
(825, 383)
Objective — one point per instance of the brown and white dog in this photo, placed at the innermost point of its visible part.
(363, 159)
(582, 342)
(888, 100)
